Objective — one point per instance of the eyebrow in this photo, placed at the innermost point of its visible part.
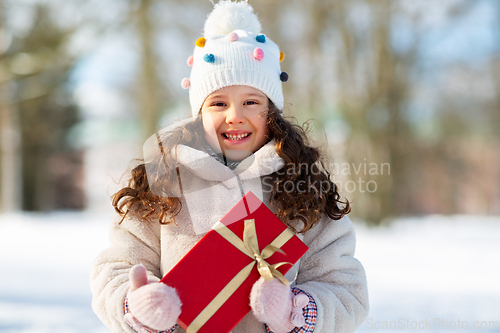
(216, 96)
(246, 95)
(257, 95)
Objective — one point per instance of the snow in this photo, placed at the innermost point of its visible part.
(431, 270)
(435, 273)
(44, 278)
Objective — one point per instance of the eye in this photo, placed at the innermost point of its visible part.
(251, 102)
(218, 104)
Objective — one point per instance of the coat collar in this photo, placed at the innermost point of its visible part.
(263, 162)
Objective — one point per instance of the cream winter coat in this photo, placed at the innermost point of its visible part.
(328, 271)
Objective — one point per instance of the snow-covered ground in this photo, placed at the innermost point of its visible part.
(435, 273)
(438, 274)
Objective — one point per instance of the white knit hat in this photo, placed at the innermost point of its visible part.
(232, 52)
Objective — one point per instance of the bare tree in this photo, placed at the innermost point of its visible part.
(149, 84)
(10, 194)
(36, 66)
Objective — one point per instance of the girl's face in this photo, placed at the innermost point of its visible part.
(235, 121)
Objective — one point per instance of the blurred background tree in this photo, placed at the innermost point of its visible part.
(36, 116)
(405, 96)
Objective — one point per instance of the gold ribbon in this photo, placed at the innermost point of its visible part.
(249, 246)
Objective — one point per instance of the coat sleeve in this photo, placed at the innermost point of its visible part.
(132, 242)
(333, 277)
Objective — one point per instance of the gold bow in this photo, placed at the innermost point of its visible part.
(268, 272)
(250, 246)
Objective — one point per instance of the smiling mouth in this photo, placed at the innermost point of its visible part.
(235, 137)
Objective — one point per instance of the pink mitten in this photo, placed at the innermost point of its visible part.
(273, 303)
(154, 305)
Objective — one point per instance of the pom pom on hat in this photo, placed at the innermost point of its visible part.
(210, 58)
(190, 61)
(200, 42)
(233, 37)
(185, 83)
(228, 16)
(284, 76)
(258, 53)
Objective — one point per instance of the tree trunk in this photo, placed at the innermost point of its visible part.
(149, 97)
(10, 163)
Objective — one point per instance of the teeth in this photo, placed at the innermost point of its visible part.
(236, 136)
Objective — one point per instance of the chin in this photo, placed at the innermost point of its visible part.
(237, 155)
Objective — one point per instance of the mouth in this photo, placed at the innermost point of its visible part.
(236, 137)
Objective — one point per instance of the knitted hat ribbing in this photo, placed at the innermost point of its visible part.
(234, 52)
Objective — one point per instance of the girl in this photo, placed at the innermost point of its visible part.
(193, 174)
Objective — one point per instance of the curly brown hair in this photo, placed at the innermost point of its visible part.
(304, 164)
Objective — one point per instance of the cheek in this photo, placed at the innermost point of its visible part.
(261, 125)
(263, 134)
(208, 123)
(210, 127)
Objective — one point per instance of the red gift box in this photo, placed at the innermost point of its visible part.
(215, 277)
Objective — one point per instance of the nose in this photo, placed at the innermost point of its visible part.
(235, 115)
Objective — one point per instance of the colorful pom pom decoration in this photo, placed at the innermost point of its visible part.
(233, 37)
(200, 42)
(282, 56)
(185, 83)
(258, 53)
(261, 38)
(210, 58)
(284, 77)
(190, 61)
